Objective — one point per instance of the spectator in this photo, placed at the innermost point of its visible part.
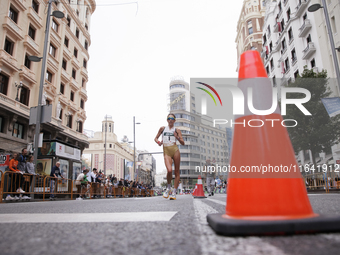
(29, 169)
(13, 166)
(55, 173)
(81, 184)
(22, 158)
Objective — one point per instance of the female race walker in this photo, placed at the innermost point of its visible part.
(171, 152)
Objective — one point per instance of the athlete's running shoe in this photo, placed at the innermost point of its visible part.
(173, 196)
(166, 193)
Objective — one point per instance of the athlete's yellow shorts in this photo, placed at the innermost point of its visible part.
(170, 150)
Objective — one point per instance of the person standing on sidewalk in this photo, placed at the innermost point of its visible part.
(171, 152)
(210, 179)
(54, 175)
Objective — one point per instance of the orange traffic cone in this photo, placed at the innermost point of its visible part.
(199, 191)
(273, 201)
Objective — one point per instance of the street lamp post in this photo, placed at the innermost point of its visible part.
(314, 8)
(134, 145)
(59, 15)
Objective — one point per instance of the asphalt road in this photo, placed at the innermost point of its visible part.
(145, 226)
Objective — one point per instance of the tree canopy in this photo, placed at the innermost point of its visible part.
(318, 131)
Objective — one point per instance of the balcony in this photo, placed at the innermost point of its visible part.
(304, 29)
(32, 45)
(294, 60)
(300, 8)
(277, 46)
(309, 50)
(13, 29)
(35, 18)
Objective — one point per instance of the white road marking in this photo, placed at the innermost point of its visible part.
(87, 217)
(217, 201)
(227, 245)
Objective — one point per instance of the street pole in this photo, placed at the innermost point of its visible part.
(134, 147)
(105, 144)
(335, 60)
(41, 87)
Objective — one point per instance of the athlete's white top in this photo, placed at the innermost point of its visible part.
(168, 136)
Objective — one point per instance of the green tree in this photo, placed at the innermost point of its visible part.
(164, 184)
(318, 131)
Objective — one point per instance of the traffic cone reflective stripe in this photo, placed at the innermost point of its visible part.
(265, 202)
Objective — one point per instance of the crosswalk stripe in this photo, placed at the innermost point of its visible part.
(87, 217)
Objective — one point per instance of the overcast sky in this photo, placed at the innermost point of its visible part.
(135, 50)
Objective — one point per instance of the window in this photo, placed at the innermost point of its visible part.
(13, 14)
(271, 46)
(77, 33)
(24, 95)
(82, 104)
(27, 62)
(31, 32)
(86, 26)
(66, 41)
(271, 64)
(267, 69)
(333, 24)
(18, 130)
(287, 65)
(77, 11)
(74, 72)
(49, 76)
(1, 124)
(35, 5)
(290, 34)
(69, 121)
(293, 55)
(284, 45)
(55, 25)
(309, 39)
(64, 64)
(280, 7)
(72, 96)
(296, 74)
(75, 52)
(3, 84)
(52, 50)
(304, 16)
(84, 63)
(61, 114)
(249, 22)
(86, 45)
(312, 63)
(83, 83)
(68, 21)
(9, 46)
(62, 88)
(268, 28)
(250, 30)
(288, 14)
(80, 127)
(274, 81)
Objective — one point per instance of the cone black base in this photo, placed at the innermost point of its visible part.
(233, 227)
(199, 197)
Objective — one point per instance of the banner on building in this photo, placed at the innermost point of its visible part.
(332, 105)
(67, 151)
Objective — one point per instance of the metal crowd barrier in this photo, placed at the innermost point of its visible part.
(322, 181)
(46, 187)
